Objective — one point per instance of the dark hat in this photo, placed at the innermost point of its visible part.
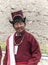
(17, 17)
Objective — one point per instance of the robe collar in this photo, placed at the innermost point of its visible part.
(21, 34)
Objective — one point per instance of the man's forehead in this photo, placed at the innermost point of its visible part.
(19, 22)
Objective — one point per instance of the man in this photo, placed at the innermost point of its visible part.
(0, 55)
(21, 47)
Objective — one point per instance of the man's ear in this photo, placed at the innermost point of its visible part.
(25, 24)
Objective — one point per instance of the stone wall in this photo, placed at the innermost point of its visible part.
(36, 12)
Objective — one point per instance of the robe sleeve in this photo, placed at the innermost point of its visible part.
(0, 55)
(0, 52)
(5, 60)
(5, 57)
(35, 52)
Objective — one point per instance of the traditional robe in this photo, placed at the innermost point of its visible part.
(0, 55)
(28, 50)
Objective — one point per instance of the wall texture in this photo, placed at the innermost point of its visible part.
(36, 12)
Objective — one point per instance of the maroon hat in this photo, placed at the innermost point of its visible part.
(19, 15)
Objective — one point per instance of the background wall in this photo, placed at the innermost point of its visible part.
(36, 12)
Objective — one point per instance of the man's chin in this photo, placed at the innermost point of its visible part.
(19, 31)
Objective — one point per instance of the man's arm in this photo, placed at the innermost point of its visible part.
(0, 55)
(35, 52)
(5, 57)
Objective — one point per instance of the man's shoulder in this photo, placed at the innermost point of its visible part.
(29, 34)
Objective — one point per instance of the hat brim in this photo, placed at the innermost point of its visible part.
(12, 22)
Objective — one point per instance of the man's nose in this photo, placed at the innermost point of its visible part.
(19, 25)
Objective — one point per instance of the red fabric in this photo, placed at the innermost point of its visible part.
(21, 62)
(28, 51)
(0, 52)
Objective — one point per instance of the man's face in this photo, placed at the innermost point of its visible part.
(19, 26)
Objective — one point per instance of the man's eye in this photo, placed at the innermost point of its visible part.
(20, 23)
